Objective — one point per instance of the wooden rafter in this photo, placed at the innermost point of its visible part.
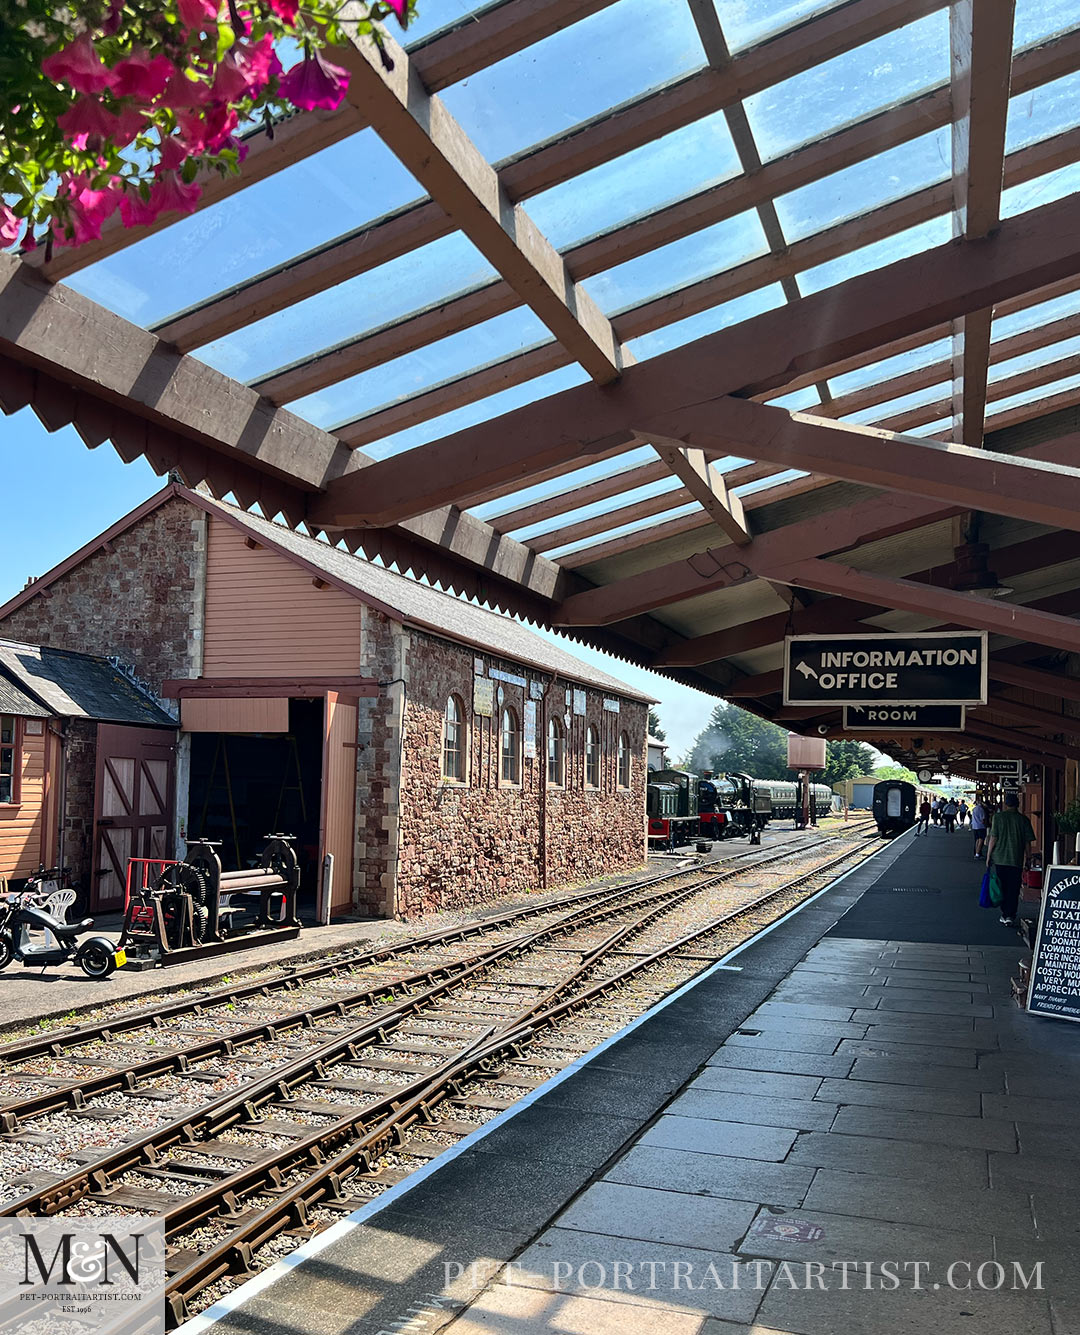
(428, 140)
(707, 486)
(981, 40)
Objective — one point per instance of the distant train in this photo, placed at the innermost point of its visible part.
(682, 807)
(894, 806)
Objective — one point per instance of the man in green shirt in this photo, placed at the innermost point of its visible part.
(1011, 836)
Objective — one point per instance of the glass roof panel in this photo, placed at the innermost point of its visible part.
(575, 74)
(444, 360)
(767, 483)
(540, 491)
(1035, 20)
(650, 522)
(598, 508)
(1068, 347)
(637, 182)
(935, 232)
(717, 317)
(941, 429)
(901, 404)
(1042, 112)
(263, 225)
(432, 16)
(747, 22)
(888, 367)
(798, 401)
(424, 277)
(1042, 190)
(712, 250)
(866, 185)
(850, 86)
(1034, 395)
(1032, 317)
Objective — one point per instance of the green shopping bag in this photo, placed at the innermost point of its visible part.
(995, 887)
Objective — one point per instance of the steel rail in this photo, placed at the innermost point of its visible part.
(56, 1043)
(411, 1107)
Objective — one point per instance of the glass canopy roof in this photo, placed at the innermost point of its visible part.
(691, 167)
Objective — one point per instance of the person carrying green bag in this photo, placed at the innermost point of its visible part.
(1011, 836)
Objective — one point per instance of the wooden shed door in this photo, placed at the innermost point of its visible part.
(339, 797)
(135, 794)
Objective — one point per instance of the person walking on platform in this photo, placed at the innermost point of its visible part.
(948, 815)
(979, 821)
(961, 813)
(935, 809)
(1011, 836)
(923, 826)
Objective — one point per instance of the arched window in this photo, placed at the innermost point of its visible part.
(624, 760)
(592, 758)
(453, 756)
(556, 752)
(511, 748)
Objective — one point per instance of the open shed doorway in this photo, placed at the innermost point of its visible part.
(246, 785)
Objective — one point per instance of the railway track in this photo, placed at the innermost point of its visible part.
(246, 1175)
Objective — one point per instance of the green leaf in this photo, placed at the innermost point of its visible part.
(226, 38)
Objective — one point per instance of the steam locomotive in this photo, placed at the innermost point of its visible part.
(682, 806)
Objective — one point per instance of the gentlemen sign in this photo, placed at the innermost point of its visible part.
(1055, 967)
(907, 718)
(1009, 769)
(934, 668)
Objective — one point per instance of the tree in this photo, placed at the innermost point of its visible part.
(655, 730)
(895, 772)
(846, 760)
(736, 741)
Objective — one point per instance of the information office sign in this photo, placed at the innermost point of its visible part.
(1054, 989)
(934, 668)
(905, 718)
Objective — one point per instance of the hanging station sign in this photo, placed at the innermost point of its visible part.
(998, 769)
(904, 718)
(1054, 989)
(933, 668)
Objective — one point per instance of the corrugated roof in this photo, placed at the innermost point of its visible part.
(421, 605)
(13, 701)
(75, 685)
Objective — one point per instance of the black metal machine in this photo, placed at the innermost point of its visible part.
(263, 896)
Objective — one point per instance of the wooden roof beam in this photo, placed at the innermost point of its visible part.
(433, 146)
(1035, 679)
(1030, 251)
(981, 40)
(707, 486)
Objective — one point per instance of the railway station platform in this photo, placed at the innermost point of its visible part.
(846, 1126)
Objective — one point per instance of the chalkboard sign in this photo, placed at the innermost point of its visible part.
(1055, 968)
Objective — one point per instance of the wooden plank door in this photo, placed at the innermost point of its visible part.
(339, 798)
(135, 795)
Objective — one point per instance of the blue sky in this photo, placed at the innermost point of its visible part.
(58, 495)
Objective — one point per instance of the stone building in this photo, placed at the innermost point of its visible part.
(425, 752)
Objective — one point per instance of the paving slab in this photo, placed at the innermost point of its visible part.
(789, 1013)
(909, 1098)
(787, 1040)
(819, 1235)
(648, 1215)
(764, 1084)
(529, 1311)
(570, 1261)
(746, 1058)
(712, 1175)
(736, 1140)
(931, 1056)
(931, 1165)
(1018, 1108)
(895, 1070)
(1050, 1142)
(803, 1114)
(980, 1132)
(986, 1209)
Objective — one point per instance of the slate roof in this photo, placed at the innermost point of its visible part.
(72, 685)
(424, 607)
(13, 701)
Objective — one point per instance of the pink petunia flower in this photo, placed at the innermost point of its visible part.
(171, 195)
(136, 211)
(182, 93)
(87, 118)
(197, 14)
(88, 207)
(246, 69)
(10, 226)
(142, 76)
(78, 65)
(286, 9)
(401, 11)
(315, 83)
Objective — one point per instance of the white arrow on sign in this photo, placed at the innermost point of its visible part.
(806, 671)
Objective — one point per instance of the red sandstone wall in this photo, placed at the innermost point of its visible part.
(460, 844)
